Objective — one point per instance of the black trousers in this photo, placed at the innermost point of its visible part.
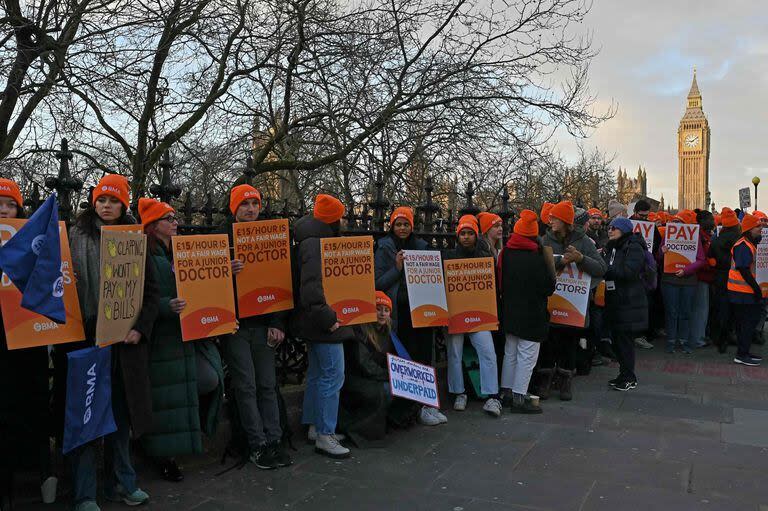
(624, 347)
(560, 348)
(747, 316)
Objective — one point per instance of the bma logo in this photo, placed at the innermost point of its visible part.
(58, 287)
(107, 188)
(37, 243)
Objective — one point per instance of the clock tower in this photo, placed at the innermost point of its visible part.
(693, 154)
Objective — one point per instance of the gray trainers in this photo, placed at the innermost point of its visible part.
(328, 445)
(437, 413)
(492, 407)
(642, 343)
(88, 505)
(461, 403)
(312, 435)
(137, 498)
(427, 418)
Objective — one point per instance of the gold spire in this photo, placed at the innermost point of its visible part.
(694, 92)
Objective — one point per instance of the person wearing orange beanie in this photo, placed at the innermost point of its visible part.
(728, 218)
(720, 251)
(11, 203)
(248, 194)
(390, 278)
(469, 246)
(744, 293)
(131, 384)
(762, 217)
(151, 210)
(545, 209)
(491, 231)
(525, 283)
(328, 209)
(569, 245)
(383, 300)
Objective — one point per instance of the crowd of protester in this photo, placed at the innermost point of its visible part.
(167, 394)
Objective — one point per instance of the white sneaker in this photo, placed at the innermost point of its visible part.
(48, 490)
(437, 413)
(312, 435)
(642, 343)
(461, 403)
(492, 407)
(328, 445)
(426, 418)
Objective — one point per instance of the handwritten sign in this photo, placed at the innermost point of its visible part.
(24, 328)
(204, 279)
(121, 284)
(646, 230)
(682, 244)
(426, 288)
(414, 381)
(568, 305)
(471, 291)
(264, 285)
(348, 280)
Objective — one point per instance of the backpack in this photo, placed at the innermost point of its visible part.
(649, 276)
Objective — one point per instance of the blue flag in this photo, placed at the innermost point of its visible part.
(88, 414)
(399, 348)
(32, 260)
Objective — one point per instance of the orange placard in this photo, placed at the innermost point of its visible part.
(24, 328)
(470, 288)
(682, 242)
(569, 304)
(204, 280)
(264, 285)
(348, 280)
(600, 294)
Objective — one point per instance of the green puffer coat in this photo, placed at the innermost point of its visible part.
(173, 373)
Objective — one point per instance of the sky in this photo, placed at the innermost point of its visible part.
(647, 54)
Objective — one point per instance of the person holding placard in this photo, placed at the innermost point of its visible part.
(316, 322)
(179, 371)
(744, 292)
(250, 355)
(24, 416)
(390, 278)
(705, 274)
(526, 281)
(569, 245)
(469, 246)
(679, 291)
(720, 251)
(131, 392)
(626, 301)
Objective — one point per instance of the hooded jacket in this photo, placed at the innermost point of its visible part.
(312, 317)
(627, 303)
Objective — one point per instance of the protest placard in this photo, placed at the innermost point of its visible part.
(348, 279)
(121, 284)
(414, 381)
(264, 285)
(682, 242)
(123, 228)
(568, 305)
(24, 328)
(204, 280)
(426, 287)
(646, 230)
(470, 286)
(761, 262)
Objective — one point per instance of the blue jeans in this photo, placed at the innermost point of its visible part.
(700, 314)
(486, 354)
(678, 305)
(325, 377)
(117, 456)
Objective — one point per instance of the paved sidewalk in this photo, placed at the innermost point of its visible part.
(693, 435)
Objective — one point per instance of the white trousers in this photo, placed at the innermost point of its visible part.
(489, 372)
(520, 357)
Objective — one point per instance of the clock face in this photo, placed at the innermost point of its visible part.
(691, 140)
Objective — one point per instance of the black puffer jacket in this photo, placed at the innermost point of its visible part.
(312, 317)
(627, 303)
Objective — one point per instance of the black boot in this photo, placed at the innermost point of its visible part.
(566, 382)
(544, 383)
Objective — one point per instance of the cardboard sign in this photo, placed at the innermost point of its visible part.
(123, 228)
(646, 230)
(264, 285)
(426, 287)
(24, 328)
(471, 291)
(121, 284)
(682, 242)
(761, 263)
(348, 279)
(204, 279)
(568, 305)
(414, 381)
(745, 198)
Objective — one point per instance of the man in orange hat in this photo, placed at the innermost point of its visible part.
(744, 292)
(595, 228)
(720, 251)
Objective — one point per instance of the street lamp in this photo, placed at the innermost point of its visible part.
(755, 181)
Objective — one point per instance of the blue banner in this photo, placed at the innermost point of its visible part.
(88, 413)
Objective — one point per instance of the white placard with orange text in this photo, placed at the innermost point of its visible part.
(646, 230)
(682, 242)
(568, 305)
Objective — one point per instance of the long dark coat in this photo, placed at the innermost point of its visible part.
(626, 305)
